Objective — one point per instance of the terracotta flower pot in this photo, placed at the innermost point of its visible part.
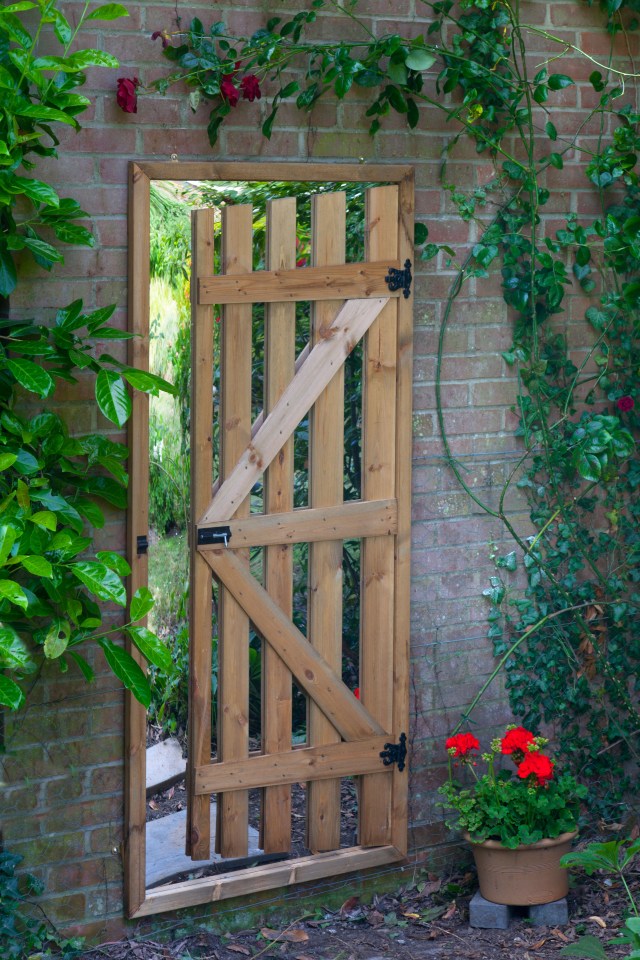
(525, 876)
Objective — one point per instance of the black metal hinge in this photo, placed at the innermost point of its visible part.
(400, 279)
(214, 535)
(395, 753)
(142, 545)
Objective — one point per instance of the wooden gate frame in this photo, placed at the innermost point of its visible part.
(140, 902)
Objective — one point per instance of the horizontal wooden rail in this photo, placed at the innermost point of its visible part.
(348, 281)
(351, 520)
(268, 876)
(317, 763)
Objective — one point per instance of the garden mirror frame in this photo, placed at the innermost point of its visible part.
(138, 900)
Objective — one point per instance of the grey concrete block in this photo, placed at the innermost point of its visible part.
(490, 916)
(549, 914)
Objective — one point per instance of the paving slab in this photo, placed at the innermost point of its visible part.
(165, 848)
(165, 765)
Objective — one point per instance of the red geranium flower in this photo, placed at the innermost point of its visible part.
(250, 87)
(228, 90)
(516, 741)
(536, 765)
(625, 404)
(126, 97)
(462, 744)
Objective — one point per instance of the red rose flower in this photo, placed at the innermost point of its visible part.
(625, 404)
(250, 87)
(228, 90)
(536, 765)
(516, 741)
(126, 97)
(356, 693)
(462, 744)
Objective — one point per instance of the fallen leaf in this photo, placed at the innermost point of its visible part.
(303, 956)
(238, 949)
(412, 916)
(169, 794)
(431, 887)
(291, 936)
(560, 935)
(349, 906)
(537, 944)
(451, 909)
(635, 832)
(375, 918)
(153, 804)
(599, 921)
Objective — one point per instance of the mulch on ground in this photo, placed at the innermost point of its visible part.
(426, 920)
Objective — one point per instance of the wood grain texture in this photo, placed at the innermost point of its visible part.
(322, 364)
(312, 673)
(338, 759)
(305, 524)
(198, 838)
(269, 171)
(402, 631)
(326, 468)
(235, 433)
(378, 480)
(277, 687)
(270, 876)
(137, 525)
(348, 281)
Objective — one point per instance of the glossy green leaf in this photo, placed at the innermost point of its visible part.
(588, 947)
(83, 666)
(57, 639)
(14, 652)
(100, 580)
(141, 603)
(10, 693)
(39, 566)
(152, 648)
(127, 671)
(108, 11)
(10, 590)
(114, 561)
(92, 58)
(112, 397)
(32, 377)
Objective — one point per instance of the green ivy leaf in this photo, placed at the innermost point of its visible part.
(127, 671)
(558, 81)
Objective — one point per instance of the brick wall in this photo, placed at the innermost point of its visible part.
(62, 799)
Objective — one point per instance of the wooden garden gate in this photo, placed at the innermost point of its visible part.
(346, 736)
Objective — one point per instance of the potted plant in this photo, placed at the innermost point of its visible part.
(520, 820)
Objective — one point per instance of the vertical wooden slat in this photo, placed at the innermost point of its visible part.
(326, 453)
(137, 525)
(404, 381)
(280, 333)
(378, 481)
(233, 633)
(198, 839)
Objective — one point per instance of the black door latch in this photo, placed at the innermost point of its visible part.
(395, 753)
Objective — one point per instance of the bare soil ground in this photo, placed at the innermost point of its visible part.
(427, 920)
